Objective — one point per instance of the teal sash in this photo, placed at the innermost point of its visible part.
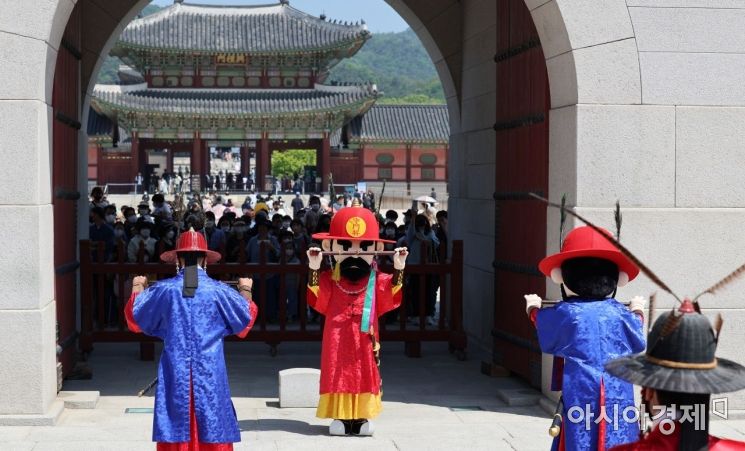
(369, 308)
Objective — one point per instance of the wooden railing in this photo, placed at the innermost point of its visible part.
(105, 288)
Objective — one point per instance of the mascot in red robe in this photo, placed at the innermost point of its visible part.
(352, 297)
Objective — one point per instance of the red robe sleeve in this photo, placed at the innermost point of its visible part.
(388, 296)
(129, 314)
(318, 297)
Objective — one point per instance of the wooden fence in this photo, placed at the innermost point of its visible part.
(106, 285)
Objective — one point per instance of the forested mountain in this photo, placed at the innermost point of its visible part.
(396, 62)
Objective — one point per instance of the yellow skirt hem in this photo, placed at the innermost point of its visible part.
(349, 406)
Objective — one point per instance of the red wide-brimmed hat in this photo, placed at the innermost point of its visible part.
(191, 241)
(586, 242)
(353, 223)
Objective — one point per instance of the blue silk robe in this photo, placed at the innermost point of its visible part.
(587, 333)
(192, 330)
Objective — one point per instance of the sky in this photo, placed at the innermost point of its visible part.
(377, 14)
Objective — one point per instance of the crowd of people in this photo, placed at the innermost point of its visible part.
(261, 223)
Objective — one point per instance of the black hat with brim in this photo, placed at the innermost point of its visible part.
(681, 357)
(727, 376)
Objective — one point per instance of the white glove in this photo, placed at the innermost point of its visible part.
(399, 258)
(532, 301)
(637, 304)
(315, 258)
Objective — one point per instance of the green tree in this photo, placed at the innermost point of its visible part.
(291, 162)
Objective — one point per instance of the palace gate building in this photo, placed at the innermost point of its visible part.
(636, 100)
(206, 77)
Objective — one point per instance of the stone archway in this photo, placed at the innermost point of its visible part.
(444, 27)
(604, 59)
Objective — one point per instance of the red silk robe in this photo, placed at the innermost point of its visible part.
(350, 381)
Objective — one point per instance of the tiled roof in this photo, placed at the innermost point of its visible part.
(242, 29)
(244, 101)
(98, 124)
(402, 123)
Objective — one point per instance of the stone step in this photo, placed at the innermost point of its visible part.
(518, 397)
(79, 399)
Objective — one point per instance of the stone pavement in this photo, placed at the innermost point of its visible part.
(432, 403)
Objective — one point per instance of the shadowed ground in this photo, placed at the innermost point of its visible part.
(432, 403)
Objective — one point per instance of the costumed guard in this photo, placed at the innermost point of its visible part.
(584, 331)
(678, 373)
(192, 313)
(352, 297)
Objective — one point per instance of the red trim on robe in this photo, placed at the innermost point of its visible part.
(602, 424)
(253, 312)
(129, 314)
(194, 444)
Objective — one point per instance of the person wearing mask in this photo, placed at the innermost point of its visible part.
(300, 236)
(422, 244)
(143, 238)
(391, 216)
(101, 232)
(277, 207)
(167, 240)
(236, 241)
(292, 279)
(296, 204)
(312, 214)
(162, 185)
(248, 217)
(253, 255)
(286, 223)
(276, 224)
(97, 198)
(324, 224)
(389, 234)
(218, 208)
(110, 214)
(144, 212)
(121, 240)
(215, 236)
(338, 204)
(441, 231)
(130, 219)
(161, 209)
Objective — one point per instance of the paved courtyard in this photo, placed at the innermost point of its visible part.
(432, 403)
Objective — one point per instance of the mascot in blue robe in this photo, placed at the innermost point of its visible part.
(583, 332)
(192, 313)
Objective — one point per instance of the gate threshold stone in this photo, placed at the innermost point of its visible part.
(299, 387)
(79, 399)
(519, 397)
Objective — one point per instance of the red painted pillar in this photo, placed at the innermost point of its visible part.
(361, 163)
(325, 162)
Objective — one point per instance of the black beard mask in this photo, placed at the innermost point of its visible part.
(354, 268)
